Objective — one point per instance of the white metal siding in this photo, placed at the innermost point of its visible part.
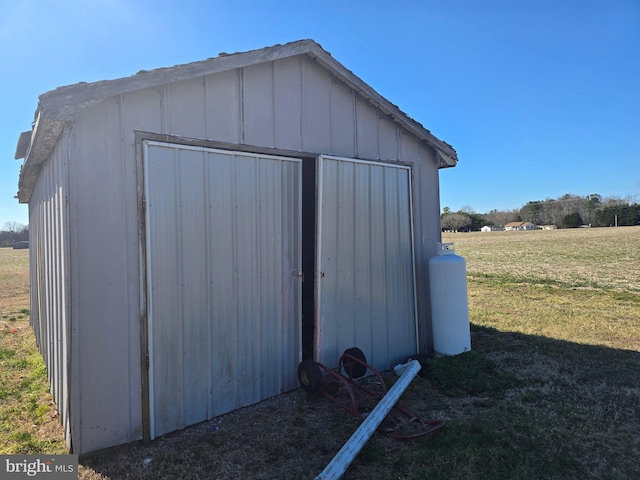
(427, 234)
(223, 238)
(105, 286)
(306, 109)
(49, 272)
(365, 262)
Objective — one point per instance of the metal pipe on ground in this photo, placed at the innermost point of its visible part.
(336, 468)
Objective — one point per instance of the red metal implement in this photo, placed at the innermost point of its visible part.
(363, 392)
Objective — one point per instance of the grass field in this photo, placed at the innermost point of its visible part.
(28, 417)
(550, 389)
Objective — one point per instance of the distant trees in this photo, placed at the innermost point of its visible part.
(463, 220)
(618, 215)
(533, 212)
(568, 211)
(13, 232)
(573, 220)
(592, 210)
(593, 204)
(455, 221)
(501, 218)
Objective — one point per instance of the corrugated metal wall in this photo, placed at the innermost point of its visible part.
(366, 281)
(291, 104)
(105, 309)
(223, 238)
(49, 272)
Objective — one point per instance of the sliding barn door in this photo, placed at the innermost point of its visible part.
(223, 245)
(365, 266)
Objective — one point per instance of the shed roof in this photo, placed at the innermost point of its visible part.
(63, 104)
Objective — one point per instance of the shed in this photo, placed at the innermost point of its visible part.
(198, 230)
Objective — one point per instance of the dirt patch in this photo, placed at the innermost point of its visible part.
(291, 436)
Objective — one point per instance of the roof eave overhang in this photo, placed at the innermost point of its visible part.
(43, 138)
(24, 141)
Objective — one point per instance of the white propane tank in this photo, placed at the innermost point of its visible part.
(449, 304)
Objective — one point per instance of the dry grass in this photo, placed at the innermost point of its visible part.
(583, 258)
(550, 389)
(14, 281)
(576, 285)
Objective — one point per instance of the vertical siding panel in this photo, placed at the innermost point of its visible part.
(141, 110)
(362, 257)
(247, 286)
(166, 326)
(268, 270)
(224, 315)
(258, 105)
(346, 253)
(65, 406)
(388, 138)
(186, 108)
(45, 276)
(56, 278)
(391, 259)
(427, 213)
(379, 320)
(102, 311)
(287, 85)
(409, 149)
(342, 120)
(223, 106)
(367, 134)
(60, 360)
(51, 339)
(316, 115)
(291, 287)
(192, 248)
(406, 263)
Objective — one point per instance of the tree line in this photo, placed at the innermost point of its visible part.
(568, 211)
(13, 232)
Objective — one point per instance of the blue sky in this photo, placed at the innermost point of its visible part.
(540, 98)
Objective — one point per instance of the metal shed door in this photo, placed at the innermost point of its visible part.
(366, 276)
(223, 240)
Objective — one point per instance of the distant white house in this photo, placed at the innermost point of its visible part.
(491, 228)
(547, 227)
(519, 226)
